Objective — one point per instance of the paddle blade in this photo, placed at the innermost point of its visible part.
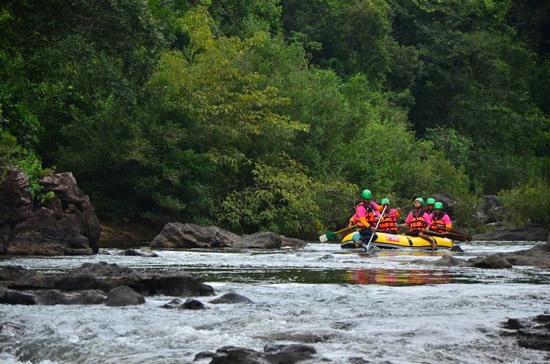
(326, 237)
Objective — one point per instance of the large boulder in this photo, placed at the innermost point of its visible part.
(177, 235)
(64, 225)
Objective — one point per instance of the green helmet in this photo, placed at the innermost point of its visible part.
(438, 206)
(421, 200)
(366, 194)
(385, 201)
(430, 201)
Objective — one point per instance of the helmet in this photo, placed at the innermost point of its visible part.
(366, 194)
(419, 199)
(385, 201)
(438, 206)
(430, 201)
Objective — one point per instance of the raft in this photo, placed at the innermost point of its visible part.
(396, 241)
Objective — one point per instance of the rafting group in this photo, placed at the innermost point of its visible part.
(427, 226)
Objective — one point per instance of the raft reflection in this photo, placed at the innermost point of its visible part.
(398, 277)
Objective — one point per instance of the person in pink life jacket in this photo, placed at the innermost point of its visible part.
(441, 222)
(388, 222)
(418, 221)
(365, 216)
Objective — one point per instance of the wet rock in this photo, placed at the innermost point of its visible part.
(176, 235)
(11, 297)
(232, 298)
(104, 277)
(292, 242)
(448, 260)
(192, 304)
(259, 241)
(525, 233)
(175, 303)
(288, 354)
(491, 262)
(141, 252)
(531, 333)
(124, 296)
(66, 225)
(56, 297)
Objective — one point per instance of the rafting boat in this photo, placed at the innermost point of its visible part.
(396, 241)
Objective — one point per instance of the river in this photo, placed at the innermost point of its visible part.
(382, 308)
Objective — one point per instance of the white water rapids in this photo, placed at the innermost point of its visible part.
(385, 308)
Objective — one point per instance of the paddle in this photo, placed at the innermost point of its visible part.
(332, 235)
(456, 234)
(376, 228)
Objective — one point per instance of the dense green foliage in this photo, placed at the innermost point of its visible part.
(273, 115)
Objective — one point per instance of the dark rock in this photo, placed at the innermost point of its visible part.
(142, 252)
(531, 333)
(490, 211)
(232, 298)
(124, 296)
(178, 235)
(11, 297)
(204, 355)
(65, 225)
(56, 297)
(491, 262)
(192, 304)
(292, 242)
(275, 354)
(259, 241)
(175, 303)
(105, 277)
(525, 233)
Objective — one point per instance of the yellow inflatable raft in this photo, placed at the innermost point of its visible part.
(396, 241)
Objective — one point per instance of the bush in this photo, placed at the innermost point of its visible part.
(528, 203)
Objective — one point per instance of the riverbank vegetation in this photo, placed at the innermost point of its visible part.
(273, 115)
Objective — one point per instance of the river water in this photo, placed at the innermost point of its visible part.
(382, 308)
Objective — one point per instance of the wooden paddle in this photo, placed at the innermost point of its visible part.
(337, 234)
(456, 234)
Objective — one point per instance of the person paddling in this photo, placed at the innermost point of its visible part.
(418, 220)
(366, 214)
(388, 221)
(441, 222)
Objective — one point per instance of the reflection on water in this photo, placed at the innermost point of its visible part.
(399, 277)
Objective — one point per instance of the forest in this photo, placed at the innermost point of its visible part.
(273, 115)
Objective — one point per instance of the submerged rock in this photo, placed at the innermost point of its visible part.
(531, 333)
(288, 354)
(232, 298)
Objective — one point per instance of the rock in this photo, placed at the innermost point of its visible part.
(141, 252)
(178, 235)
(66, 225)
(292, 242)
(288, 354)
(124, 296)
(231, 298)
(525, 233)
(11, 297)
(490, 211)
(192, 304)
(175, 303)
(56, 297)
(259, 241)
(491, 262)
(105, 277)
(531, 333)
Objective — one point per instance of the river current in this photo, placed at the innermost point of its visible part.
(382, 308)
